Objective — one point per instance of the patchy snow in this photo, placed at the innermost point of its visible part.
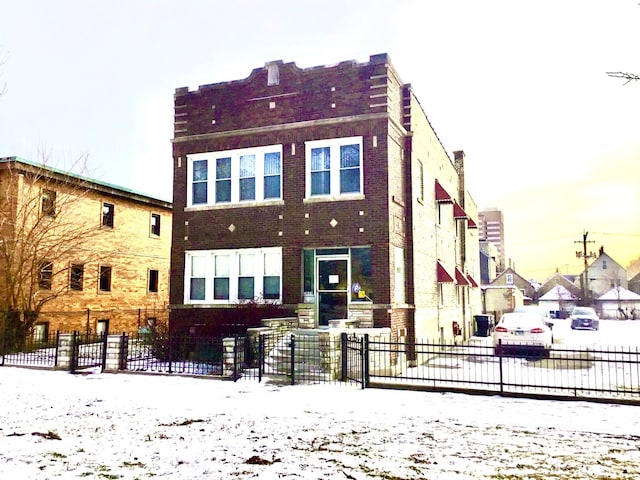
(57, 425)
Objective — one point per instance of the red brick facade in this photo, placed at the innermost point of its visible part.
(359, 100)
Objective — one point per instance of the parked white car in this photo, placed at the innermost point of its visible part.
(522, 334)
(536, 309)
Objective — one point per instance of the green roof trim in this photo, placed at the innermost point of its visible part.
(109, 186)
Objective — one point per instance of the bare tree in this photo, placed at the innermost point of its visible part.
(633, 268)
(45, 228)
(629, 77)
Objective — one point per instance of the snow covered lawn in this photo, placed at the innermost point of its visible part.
(57, 425)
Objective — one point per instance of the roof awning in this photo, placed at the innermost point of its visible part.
(471, 223)
(443, 275)
(472, 281)
(441, 194)
(458, 212)
(460, 278)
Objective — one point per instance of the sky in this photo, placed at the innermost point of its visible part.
(120, 426)
(521, 87)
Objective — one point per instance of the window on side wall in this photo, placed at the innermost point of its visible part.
(76, 277)
(153, 281)
(49, 203)
(46, 275)
(334, 167)
(108, 214)
(248, 175)
(231, 276)
(155, 224)
(104, 280)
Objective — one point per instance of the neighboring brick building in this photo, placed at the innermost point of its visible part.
(114, 274)
(325, 190)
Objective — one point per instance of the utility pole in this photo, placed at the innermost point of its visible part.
(585, 256)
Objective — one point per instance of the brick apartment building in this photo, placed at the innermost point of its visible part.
(114, 275)
(327, 191)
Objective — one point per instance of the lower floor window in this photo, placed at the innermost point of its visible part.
(229, 276)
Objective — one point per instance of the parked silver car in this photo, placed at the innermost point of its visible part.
(584, 318)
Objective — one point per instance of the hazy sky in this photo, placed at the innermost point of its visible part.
(521, 87)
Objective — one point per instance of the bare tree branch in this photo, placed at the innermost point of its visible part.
(629, 77)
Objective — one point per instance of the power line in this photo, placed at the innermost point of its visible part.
(618, 234)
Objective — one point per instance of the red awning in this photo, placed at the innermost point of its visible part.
(443, 275)
(471, 223)
(441, 194)
(472, 281)
(460, 278)
(458, 212)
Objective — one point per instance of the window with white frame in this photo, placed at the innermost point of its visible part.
(334, 167)
(229, 276)
(235, 176)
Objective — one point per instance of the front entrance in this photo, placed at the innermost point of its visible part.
(333, 288)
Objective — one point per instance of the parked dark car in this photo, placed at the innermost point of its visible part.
(584, 318)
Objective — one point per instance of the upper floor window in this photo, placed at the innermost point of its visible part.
(155, 224)
(229, 276)
(334, 167)
(46, 275)
(509, 278)
(235, 176)
(108, 213)
(49, 203)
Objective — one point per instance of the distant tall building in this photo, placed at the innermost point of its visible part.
(491, 229)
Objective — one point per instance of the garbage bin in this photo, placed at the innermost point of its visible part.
(483, 324)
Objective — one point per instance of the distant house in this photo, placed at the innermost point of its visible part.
(510, 278)
(619, 303)
(559, 300)
(499, 299)
(556, 280)
(601, 276)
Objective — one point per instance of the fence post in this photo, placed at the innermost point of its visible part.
(124, 350)
(365, 361)
(260, 355)
(343, 355)
(74, 351)
(293, 359)
(235, 358)
(55, 362)
(500, 366)
(105, 336)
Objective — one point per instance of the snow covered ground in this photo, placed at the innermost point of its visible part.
(123, 426)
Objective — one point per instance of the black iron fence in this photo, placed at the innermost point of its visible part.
(566, 372)
(182, 354)
(36, 351)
